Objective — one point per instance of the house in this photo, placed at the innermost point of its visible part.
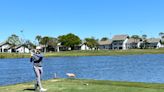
(22, 49)
(4, 47)
(132, 43)
(119, 42)
(85, 47)
(154, 43)
(10, 49)
(7, 47)
(162, 42)
(105, 45)
(60, 47)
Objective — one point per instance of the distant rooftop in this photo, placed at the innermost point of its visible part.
(153, 40)
(105, 42)
(132, 40)
(120, 37)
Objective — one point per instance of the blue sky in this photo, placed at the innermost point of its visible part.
(85, 18)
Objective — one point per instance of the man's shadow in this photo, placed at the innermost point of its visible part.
(29, 89)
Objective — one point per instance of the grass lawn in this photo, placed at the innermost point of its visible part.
(71, 85)
(106, 52)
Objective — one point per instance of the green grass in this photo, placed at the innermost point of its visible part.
(106, 52)
(70, 85)
(88, 53)
(13, 55)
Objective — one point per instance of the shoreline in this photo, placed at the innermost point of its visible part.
(87, 53)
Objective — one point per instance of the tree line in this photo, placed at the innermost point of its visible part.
(69, 40)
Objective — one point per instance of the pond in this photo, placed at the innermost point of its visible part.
(134, 68)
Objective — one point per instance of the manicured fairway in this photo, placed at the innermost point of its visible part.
(72, 85)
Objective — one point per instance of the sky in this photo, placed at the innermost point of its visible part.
(84, 18)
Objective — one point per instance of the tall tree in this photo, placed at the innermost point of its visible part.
(144, 36)
(29, 44)
(135, 37)
(144, 40)
(14, 40)
(69, 40)
(104, 38)
(38, 38)
(44, 41)
(161, 34)
(91, 42)
(52, 43)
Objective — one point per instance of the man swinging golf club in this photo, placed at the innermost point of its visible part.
(36, 58)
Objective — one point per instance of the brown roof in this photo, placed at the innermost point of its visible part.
(132, 40)
(153, 40)
(105, 42)
(120, 37)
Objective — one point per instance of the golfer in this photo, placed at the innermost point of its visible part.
(36, 58)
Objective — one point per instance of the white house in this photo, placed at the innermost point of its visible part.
(22, 49)
(119, 42)
(84, 47)
(10, 49)
(4, 46)
(139, 44)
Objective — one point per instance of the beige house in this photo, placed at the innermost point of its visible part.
(105, 45)
(154, 43)
(119, 42)
(133, 43)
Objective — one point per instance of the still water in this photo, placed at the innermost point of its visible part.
(134, 68)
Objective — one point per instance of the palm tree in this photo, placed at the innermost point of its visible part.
(144, 36)
(161, 34)
(44, 41)
(104, 38)
(144, 40)
(38, 38)
(135, 37)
